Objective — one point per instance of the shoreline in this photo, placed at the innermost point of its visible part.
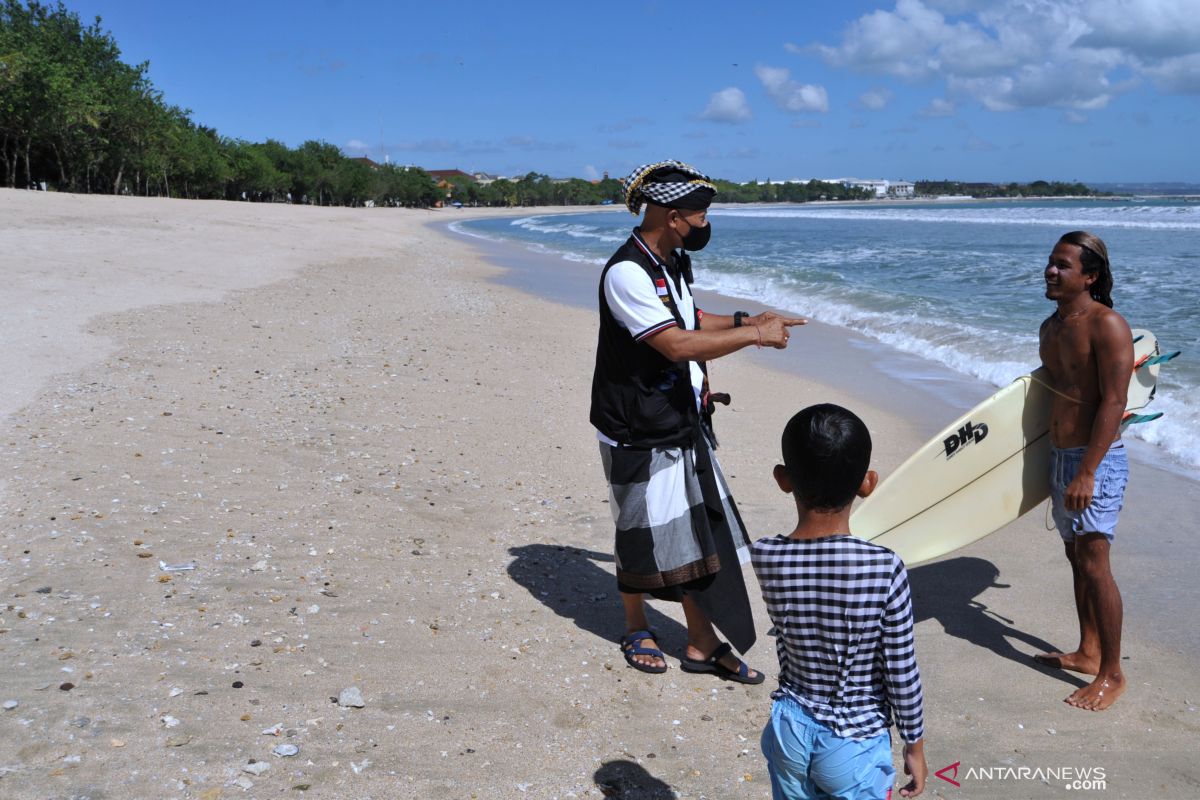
(381, 468)
(921, 397)
(548, 276)
(944, 393)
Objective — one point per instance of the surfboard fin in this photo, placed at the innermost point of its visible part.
(1160, 359)
(1138, 338)
(1135, 419)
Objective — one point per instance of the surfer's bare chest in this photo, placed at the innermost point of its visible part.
(1068, 353)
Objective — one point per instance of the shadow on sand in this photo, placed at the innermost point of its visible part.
(625, 780)
(946, 591)
(572, 584)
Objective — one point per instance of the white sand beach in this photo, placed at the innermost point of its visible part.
(377, 459)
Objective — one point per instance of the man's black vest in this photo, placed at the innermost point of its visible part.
(639, 397)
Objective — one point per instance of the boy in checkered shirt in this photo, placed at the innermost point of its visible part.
(844, 627)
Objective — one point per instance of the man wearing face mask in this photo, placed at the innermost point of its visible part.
(679, 536)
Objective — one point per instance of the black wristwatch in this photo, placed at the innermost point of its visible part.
(737, 318)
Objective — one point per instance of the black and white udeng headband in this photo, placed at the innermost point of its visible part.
(681, 180)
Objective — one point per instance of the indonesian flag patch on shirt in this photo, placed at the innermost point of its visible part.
(660, 286)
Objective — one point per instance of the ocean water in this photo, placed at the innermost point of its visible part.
(956, 283)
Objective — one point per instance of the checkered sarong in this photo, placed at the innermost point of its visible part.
(678, 532)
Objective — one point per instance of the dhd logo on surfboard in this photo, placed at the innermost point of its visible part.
(966, 435)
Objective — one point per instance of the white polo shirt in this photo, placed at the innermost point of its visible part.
(636, 302)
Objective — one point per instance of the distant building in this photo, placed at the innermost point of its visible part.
(880, 187)
(449, 174)
(444, 180)
(366, 162)
(877, 187)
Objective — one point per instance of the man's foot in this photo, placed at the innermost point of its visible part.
(720, 662)
(642, 653)
(1076, 662)
(1099, 694)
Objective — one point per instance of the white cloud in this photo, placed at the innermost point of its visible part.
(958, 6)
(875, 99)
(1146, 28)
(357, 144)
(905, 42)
(728, 105)
(938, 107)
(791, 95)
(1045, 85)
(1011, 54)
(1075, 118)
(1177, 75)
(590, 172)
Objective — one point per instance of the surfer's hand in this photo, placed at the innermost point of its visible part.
(1078, 495)
(764, 317)
(914, 765)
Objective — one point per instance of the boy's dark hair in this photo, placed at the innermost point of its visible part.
(826, 451)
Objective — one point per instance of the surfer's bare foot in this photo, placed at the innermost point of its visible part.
(1076, 662)
(1099, 694)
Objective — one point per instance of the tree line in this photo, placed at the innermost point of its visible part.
(792, 192)
(984, 190)
(75, 116)
(532, 189)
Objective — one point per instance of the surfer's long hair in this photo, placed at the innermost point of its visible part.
(1094, 257)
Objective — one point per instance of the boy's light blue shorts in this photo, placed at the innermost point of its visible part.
(1108, 492)
(808, 761)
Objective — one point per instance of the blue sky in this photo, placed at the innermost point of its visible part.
(1090, 90)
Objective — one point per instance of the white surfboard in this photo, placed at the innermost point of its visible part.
(983, 471)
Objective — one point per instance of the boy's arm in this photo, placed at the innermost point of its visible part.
(914, 765)
(902, 680)
(1114, 364)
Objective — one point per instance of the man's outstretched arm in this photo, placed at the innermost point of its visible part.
(720, 322)
(678, 344)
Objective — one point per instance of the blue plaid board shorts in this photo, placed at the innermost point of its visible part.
(1108, 493)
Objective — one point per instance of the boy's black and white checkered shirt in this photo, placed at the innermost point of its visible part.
(844, 627)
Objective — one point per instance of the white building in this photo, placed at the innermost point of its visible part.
(880, 187)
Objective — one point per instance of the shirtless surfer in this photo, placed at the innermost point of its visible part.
(1088, 350)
